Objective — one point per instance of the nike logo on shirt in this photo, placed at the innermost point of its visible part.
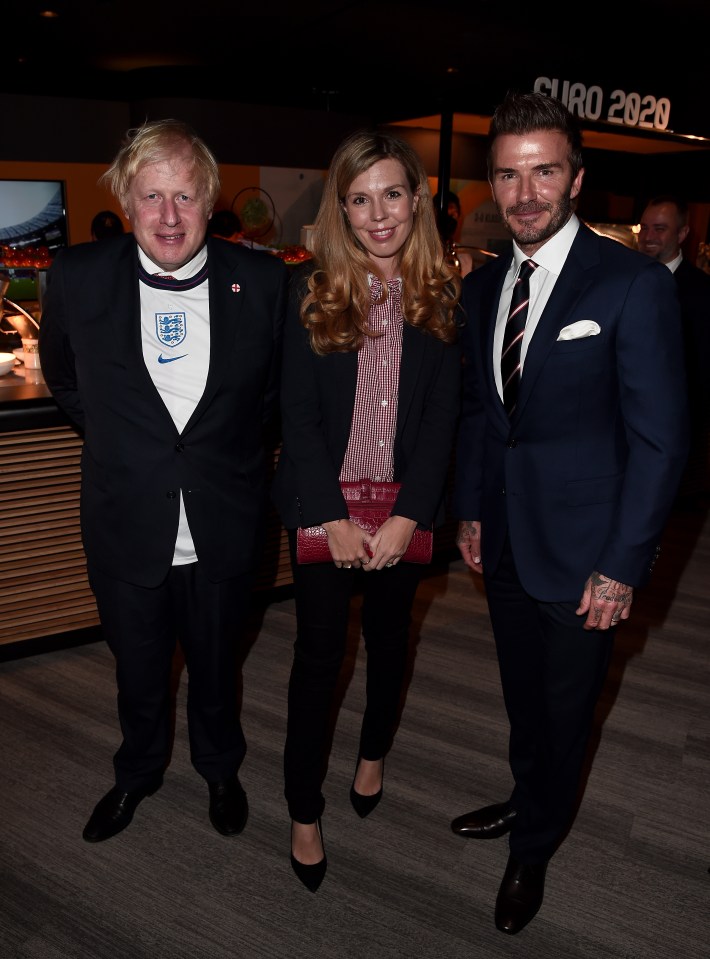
(170, 359)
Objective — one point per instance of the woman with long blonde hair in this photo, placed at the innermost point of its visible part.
(370, 389)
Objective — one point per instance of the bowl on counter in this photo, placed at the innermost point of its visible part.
(7, 361)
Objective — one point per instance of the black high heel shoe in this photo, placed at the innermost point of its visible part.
(363, 805)
(311, 875)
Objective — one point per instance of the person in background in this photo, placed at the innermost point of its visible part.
(568, 459)
(371, 382)
(106, 223)
(448, 219)
(225, 224)
(163, 349)
(664, 229)
(448, 224)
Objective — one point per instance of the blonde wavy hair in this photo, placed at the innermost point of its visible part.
(155, 141)
(335, 308)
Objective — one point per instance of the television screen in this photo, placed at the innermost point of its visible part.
(32, 216)
(33, 226)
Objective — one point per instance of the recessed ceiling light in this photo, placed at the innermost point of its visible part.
(49, 14)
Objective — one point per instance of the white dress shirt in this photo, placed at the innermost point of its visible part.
(550, 259)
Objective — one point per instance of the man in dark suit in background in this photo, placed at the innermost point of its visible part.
(664, 229)
(565, 474)
(163, 349)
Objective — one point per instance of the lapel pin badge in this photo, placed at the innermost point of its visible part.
(235, 287)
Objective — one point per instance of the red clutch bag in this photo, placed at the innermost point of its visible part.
(369, 505)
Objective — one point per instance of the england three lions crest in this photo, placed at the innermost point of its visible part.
(171, 328)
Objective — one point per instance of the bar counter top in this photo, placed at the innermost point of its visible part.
(23, 384)
(26, 402)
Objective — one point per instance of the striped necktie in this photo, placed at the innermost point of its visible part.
(513, 336)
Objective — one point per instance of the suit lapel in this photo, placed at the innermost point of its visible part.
(577, 273)
(227, 286)
(413, 349)
(124, 310)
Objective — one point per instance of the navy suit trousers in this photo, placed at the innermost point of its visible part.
(552, 672)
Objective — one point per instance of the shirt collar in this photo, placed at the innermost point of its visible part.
(371, 278)
(675, 262)
(181, 273)
(552, 254)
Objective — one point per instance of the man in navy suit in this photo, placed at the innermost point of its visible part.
(664, 229)
(163, 349)
(563, 491)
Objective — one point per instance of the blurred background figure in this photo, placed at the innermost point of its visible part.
(225, 224)
(448, 219)
(106, 223)
(664, 229)
(447, 222)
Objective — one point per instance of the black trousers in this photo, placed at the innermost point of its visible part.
(552, 672)
(141, 627)
(323, 593)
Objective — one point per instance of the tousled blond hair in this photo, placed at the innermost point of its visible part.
(159, 140)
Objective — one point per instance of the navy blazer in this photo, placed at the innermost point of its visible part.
(134, 460)
(694, 295)
(583, 476)
(317, 403)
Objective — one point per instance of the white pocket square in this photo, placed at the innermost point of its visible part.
(580, 329)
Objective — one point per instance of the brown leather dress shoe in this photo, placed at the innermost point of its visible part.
(228, 806)
(115, 811)
(487, 823)
(520, 895)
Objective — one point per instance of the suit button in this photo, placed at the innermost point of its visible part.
(512, 444)
(179, 447)
(171, 494)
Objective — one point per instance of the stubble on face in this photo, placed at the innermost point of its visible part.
(530, 234)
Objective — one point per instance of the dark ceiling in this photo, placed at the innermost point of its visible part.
(385, 59)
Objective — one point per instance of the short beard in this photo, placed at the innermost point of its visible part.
(530, 235)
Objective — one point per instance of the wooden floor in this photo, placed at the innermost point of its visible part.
(630, 882)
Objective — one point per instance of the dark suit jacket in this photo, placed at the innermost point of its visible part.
(134, 460)
(694, 296)
(584, 475)
(318, 398)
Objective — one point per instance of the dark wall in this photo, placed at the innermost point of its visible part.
(55, 129)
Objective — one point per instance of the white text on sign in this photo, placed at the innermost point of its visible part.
(590, 103)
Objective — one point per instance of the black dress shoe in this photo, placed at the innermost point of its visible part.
(115, 811)
(520, 895)
(363, 805)
(487, 823)
(311, 875)
(228, 806)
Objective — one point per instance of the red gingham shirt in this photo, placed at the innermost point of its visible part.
(370, 449)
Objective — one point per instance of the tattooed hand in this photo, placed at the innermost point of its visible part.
(605, 601)
(468, 540)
